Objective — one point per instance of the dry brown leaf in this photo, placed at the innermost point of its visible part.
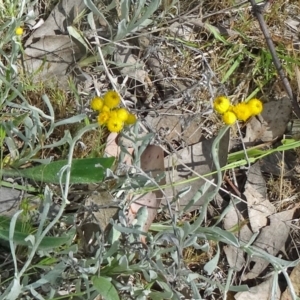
(295, 279)
(235, 220)
(180, 30)
(102, 215)
(154, 63)
(259, 207)
(198, 158)
(152, 162)
(87, 233)
(133, 67)
(62, 16)
(113, 149)
(271, 239)
(173, 125)
(262, 291)
(50, 50)
(276, 163)
(100, 198)
(53, 55)
(271, 123)
(235, 257)
(9, 200)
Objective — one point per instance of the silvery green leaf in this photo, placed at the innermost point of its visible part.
(74, 119)
(91, 269)
(122, 30)
(159, 263)
(141, 217)
(202, 190)
(180, 233)
(123, 262)
(145, 138)
(138, 10)
(67, 138)
(76, 35)
(190, 241)
(30, 129)
(35, 294)
(90, 4)
(127, 230)
(51, 276)
(213, 263)
(204, 247)
(124, 4)
(31, 239)
(15, 290)
(170, 237)
(192, 276)
(146, 275)
(175, 257)
(13, 151)
(21, 136)
(46, 206)
(152, 274)
(25, 280)
(166, 288)
(153, 6)
(49, 105)
(12, 226)
(111, 5)
(195, 291)
(218, 234)
(114, 235)
(112, 250)
(186, 228)
(233, 202)
(73, 248)
(144, 24)
(124, 150)
(183, 192)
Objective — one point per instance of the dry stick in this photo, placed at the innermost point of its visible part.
(257, 11)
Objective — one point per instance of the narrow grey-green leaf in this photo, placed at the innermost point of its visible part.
(212, 264)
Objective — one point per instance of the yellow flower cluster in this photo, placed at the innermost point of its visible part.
(19, 31)
(110, 114)
(242, 111)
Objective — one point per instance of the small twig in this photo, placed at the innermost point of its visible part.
(257, 11)
(109, 76)
(233, 186)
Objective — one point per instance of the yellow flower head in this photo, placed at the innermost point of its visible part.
(97, 103)
(114, 125)
(111, 99)
(221, 104)
(122, 114)
(131, 119)
(256, 106)
(242, 111)
(19, 31)
(103, 117)
(105, 108)
(229, 117)
(113, 114)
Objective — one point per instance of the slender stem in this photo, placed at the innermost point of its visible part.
(257, 11)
